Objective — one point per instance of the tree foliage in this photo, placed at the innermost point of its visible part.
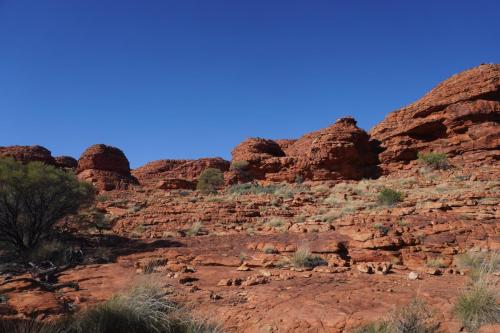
(33, 197)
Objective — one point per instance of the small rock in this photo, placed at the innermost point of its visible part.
(265, 273)
(413, 275)
(225, 282)
(365, 268)
(244, 268)
(433, 271)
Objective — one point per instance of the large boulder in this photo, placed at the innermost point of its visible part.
(176, 174)
(106, 167)
(459, 117)
(106, 158)
(261, 157)
(341, 151)
(26, 154)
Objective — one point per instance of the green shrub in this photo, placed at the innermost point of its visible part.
(302, 258)
(239, 165)
(434, 160)
(389, 197)
(33, 197)
(210, 181)
(477, 307)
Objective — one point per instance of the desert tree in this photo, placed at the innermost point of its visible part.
(33, 197)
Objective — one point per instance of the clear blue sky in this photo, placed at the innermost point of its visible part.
(188, 79)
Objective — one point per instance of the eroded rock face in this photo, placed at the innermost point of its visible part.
(176, 174)
(341, 151)
(67, 162)
(106, 167)
(26, 154)
(459, 117)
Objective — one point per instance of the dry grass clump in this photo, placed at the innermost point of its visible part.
(477, 305)
(195, 229)
(373, 327)
(142, 310)
(302, 258)
(436, 263)
(389, 197)
(415, 317)
(275, 222)
(478, 262)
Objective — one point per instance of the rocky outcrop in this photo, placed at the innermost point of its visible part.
(341, 151)
(67, 162)
(106, 167)
(176, 174)
(175, 184)
(459, 117)
(26, 154)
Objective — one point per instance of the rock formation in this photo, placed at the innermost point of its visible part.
(106, 167)
(341, 151)
(176, 174)
(67, 162)
(27, 154)
(314, 257)
(459, 117)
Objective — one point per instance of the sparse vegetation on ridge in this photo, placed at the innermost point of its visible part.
(434, 160)
(239, 165)
(210, 181)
